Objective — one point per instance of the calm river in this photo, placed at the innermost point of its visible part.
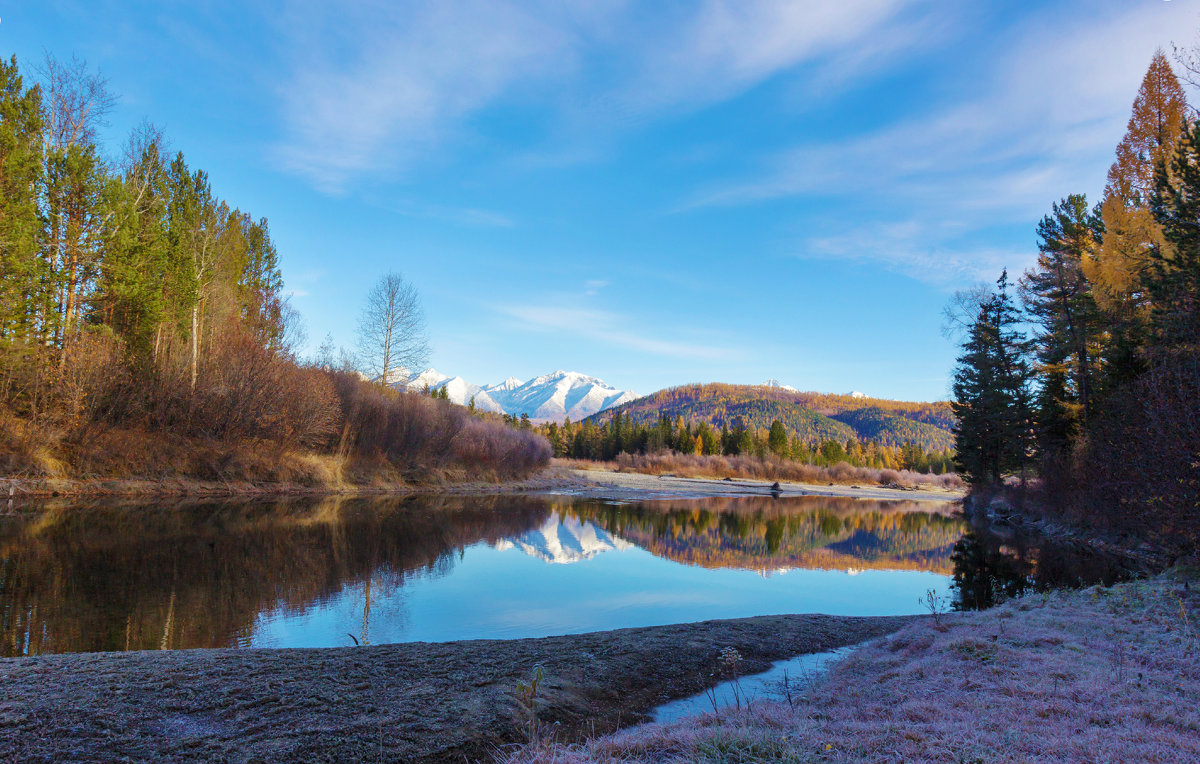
(333, 572)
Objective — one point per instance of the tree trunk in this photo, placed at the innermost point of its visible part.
(195, 341)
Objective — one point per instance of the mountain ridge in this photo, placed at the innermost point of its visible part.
(549, 397)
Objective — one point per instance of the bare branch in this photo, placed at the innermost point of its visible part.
(962, 309)
(77, 101)
(392, 340)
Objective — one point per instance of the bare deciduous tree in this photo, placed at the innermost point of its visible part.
(962, 309)
(392, 341)
(77, 102)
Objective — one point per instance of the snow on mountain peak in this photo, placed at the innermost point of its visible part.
(564, 540)
(546, 398)
(779, 385)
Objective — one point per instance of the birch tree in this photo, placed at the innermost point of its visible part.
(392, 340)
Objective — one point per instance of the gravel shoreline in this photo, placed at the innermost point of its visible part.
(451, 701)
(636, 486)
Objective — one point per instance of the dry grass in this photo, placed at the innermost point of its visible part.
(1102, 674)
(770, 468)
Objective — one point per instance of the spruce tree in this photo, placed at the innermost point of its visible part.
(991, 393)
(24, 297)
(1173, 280)
(1058, 298)
(777, 439)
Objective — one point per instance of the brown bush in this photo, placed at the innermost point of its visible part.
(250, 408)
(88, 371)
(417, 432)
(243, 391)
(502, 450)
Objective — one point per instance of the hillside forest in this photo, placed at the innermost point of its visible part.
(145, 332)
(759, 421)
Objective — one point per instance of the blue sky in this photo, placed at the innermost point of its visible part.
(652, 193)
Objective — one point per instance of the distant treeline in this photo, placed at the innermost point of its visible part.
(617, 434)
(1102, 400)
(133, 297)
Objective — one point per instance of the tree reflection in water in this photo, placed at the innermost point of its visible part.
(990, 567)
(112, 577)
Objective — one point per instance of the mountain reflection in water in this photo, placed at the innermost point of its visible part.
(336, 571)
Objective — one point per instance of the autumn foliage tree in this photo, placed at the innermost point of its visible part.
(1116, 268)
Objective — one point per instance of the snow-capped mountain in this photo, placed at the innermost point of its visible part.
(777, 384)
(548, 398)
(552, 397)
(564, 540)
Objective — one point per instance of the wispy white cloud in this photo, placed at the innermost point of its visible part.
(1041, 123)
(593, 286)
(377, 86)
(610, 329)
(929, 253)
(726, 46)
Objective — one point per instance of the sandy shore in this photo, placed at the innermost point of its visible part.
(634, 486)
(404, 702)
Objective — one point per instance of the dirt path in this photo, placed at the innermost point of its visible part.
(451, 701)
(633, 486)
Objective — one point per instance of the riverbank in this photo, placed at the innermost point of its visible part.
(398, 702)
(550, 480)
(635, 486)
(1099, 674)
(558, 478)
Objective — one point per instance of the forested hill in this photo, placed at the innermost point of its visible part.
(814, 417)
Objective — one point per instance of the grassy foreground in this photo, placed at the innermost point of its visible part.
(1101, 674)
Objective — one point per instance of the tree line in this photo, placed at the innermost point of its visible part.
(144, 326)
(623, 434)
(137, 248)
(1085, 373)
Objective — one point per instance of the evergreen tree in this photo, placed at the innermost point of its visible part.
(1173, 280)
(777, 440)
(24, 297)
(991, 393)
(131, 295)
(1059, 299)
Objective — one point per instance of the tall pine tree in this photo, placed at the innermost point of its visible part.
(1173, 280)
(992, 399)
(1058, 298)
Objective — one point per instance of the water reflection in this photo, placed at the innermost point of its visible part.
(336, 572)
(992, 565)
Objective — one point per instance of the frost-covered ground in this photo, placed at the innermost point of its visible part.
(1102, 674)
